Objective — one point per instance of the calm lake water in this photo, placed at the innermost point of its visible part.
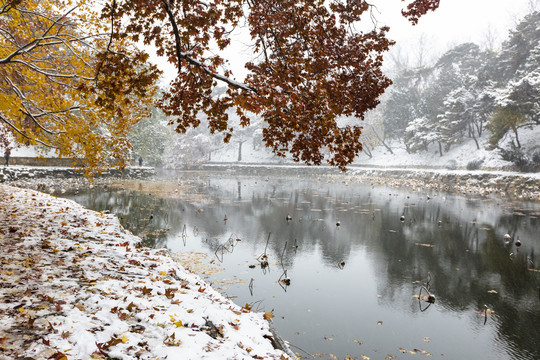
(354, 287)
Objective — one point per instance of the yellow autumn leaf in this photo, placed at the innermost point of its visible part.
(178, 324)
(268, 315)
(124, 339)
(162, 273)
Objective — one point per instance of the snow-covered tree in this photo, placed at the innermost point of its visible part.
(467, 109)
(420, 133)
(404, 101)
(446, 105)
(188, 150)
(517, 76)
(149, 138)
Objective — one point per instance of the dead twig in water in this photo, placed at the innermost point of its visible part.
(429, 298)
(263, 258)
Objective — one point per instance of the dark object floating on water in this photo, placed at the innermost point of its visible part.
(225, 219)
(341, 264)
(507, 239)
(402, 218)
(288, 218)
(518, 242)
(338, 223)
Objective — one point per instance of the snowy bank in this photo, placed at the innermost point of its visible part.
(75, 285)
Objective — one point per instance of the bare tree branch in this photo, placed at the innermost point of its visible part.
(181, 55)
(44, 72)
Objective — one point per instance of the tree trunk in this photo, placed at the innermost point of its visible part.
(382, 140)
(471, 130)
(517, 138)
(240, 150)
(407, 147)
(367, 151)
(479, 126)
(440, 149)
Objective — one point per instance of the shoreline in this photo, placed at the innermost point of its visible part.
(486, 183)
(76, 285)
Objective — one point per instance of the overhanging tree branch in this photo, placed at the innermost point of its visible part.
(33, 44)
(24, 135)
(181, 55)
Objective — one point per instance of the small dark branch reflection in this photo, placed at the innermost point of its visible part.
(228, 246)
(184, 234)
(283, 253)
(251, 286)
(219, 251)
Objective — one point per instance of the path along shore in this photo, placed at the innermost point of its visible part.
(75, 285)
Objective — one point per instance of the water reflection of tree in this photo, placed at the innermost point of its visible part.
(468, 262)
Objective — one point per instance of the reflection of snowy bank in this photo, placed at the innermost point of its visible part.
(8, 173)
(473, 182)
(75, 284)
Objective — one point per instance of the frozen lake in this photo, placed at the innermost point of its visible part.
(354, 288)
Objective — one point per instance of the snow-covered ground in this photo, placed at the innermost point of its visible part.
(458, 156)
(75, 285)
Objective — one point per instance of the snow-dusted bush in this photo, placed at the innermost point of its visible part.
(451, 165)
(522, 161)
(475, 164)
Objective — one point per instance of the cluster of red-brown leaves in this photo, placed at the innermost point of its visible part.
(418, 8)
(311, 67)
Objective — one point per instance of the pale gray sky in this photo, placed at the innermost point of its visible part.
(455, 22)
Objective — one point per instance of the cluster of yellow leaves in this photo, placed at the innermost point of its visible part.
(66, 86)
